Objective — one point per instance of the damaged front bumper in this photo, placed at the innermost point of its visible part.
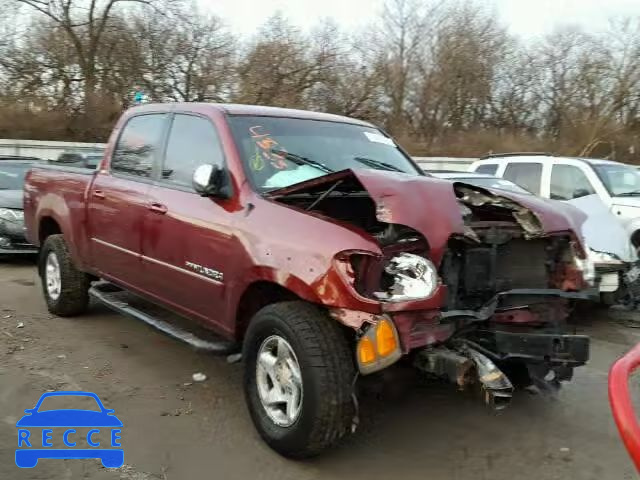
(533, 359)
(519, 331)
(522, 309)
(549, 348)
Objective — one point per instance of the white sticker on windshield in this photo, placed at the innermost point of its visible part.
(379, 138)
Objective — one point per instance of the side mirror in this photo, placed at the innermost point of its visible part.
(212, 181)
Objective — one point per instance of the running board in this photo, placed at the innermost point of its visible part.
(116, 299)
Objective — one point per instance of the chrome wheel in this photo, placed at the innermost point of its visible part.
(279, 381)
(52, 276)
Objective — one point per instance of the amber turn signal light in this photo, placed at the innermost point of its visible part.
(386, 342)
(379, 347)
(366, 351)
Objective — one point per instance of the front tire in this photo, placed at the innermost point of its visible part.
(66, 289)
(298, 378)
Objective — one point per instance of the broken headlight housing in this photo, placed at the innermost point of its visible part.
(408, 277)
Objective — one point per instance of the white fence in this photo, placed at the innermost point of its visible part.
(51, 150)
(45, 149)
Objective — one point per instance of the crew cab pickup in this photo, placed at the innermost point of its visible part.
(318, 252)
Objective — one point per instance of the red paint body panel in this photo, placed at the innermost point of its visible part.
(113, 233)
(622, 405)
(438, 216)
(62, 196)
(115, 217)
(429, 205)
(417, 329)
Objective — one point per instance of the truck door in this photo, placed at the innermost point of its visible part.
(569, 182)
(188, 242)
(118, 200)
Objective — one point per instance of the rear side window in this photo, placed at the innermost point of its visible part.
(568, 182)
(139, 145)
(527, 175)
(488, 168)
(193, 141)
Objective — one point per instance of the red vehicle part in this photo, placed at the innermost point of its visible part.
(621, 404)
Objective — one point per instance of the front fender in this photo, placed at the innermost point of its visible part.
(330, 286)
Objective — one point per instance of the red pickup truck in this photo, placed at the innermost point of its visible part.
(318, 252)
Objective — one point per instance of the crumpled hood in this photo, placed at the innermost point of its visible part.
(11, 199)
(429, 205)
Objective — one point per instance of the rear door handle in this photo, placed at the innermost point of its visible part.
(158, 208)
(98, 193)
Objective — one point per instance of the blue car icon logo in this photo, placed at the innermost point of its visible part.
(71, 429)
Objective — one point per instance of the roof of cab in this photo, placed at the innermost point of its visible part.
(532, 157)
(257, 110)
(456, 174)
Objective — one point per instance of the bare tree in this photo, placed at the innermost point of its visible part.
(85, 23)
(281, 65)
(405, 29)
(202, 60)
(352, 81)
(454, 88)
(442, 75)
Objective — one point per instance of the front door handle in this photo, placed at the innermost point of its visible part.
(158, 208)
(98, 193)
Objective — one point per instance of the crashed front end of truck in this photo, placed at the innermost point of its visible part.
(469, 285)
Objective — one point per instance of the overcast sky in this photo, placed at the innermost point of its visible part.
(527, 17)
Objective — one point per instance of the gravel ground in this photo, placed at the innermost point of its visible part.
(180, 430)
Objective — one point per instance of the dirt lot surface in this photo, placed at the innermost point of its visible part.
(178, 430)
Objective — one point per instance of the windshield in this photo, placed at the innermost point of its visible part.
(12, 176)
(490, 182)
(619, 180)
(279, 152)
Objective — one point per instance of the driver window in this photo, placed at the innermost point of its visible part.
(193, 141)
(569, 182)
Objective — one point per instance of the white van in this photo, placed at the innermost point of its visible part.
(565, 178)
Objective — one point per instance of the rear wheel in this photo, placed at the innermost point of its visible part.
(65, 287)
(298, 379)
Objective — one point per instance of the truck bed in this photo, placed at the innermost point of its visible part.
(61, 192)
